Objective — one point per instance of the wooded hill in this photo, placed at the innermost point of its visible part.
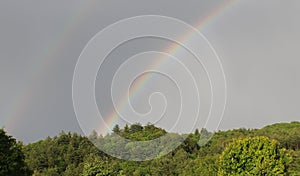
(272, 150)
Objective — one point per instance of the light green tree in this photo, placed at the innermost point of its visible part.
(254, 156)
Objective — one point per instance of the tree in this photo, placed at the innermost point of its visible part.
(94, 136)
(126, 129)
(136, 128)
(100, 167)
(11, 156)
(204, 131)
(231, 152)
(116, 129)
(254, 156)
(190, 144)
(61, 155)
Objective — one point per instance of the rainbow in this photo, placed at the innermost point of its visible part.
(111, 118)
(23, 100)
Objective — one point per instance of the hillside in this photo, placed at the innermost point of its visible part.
(196, 154)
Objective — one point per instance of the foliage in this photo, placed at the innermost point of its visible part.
(294, 167)
(100, 167)
(116, 129)
(288, 134)
(199, 153)
(139, 133)
(11, 156)
(60, 155)
(253, 156)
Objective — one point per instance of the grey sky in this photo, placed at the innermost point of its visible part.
(257, 41)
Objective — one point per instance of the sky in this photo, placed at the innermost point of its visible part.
(257, 43)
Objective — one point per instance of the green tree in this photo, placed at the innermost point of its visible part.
(100, 167)
(136, 128)
(11, 157)
(126, 129)
(231, 152)
(116, 129)
(254, 156)
(61, 155)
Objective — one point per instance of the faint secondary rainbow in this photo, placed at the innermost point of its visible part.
(112, 117)
(19, 105)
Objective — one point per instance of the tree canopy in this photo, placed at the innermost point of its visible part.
(254, 156)
(12, 159)
(271, 150)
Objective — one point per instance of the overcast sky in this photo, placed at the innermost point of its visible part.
(40, 42)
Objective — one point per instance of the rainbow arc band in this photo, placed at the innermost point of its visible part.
(95, 52)
(210, 18)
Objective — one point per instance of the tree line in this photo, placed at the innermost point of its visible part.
(271, 150)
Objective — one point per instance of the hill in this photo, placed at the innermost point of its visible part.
(191, 154)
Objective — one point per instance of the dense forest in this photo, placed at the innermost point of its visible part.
(272, 150)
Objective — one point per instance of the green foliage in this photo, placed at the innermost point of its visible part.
(100, 167)
(294, 167)
(202, 165)
(11, 157)
(254, 156)
(288, 134)
(198, 153)
(190, 144)
(60, 155)
(129, 147)
(137, 132)
(116, 129)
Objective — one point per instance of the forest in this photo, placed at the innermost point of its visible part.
(271, 150)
